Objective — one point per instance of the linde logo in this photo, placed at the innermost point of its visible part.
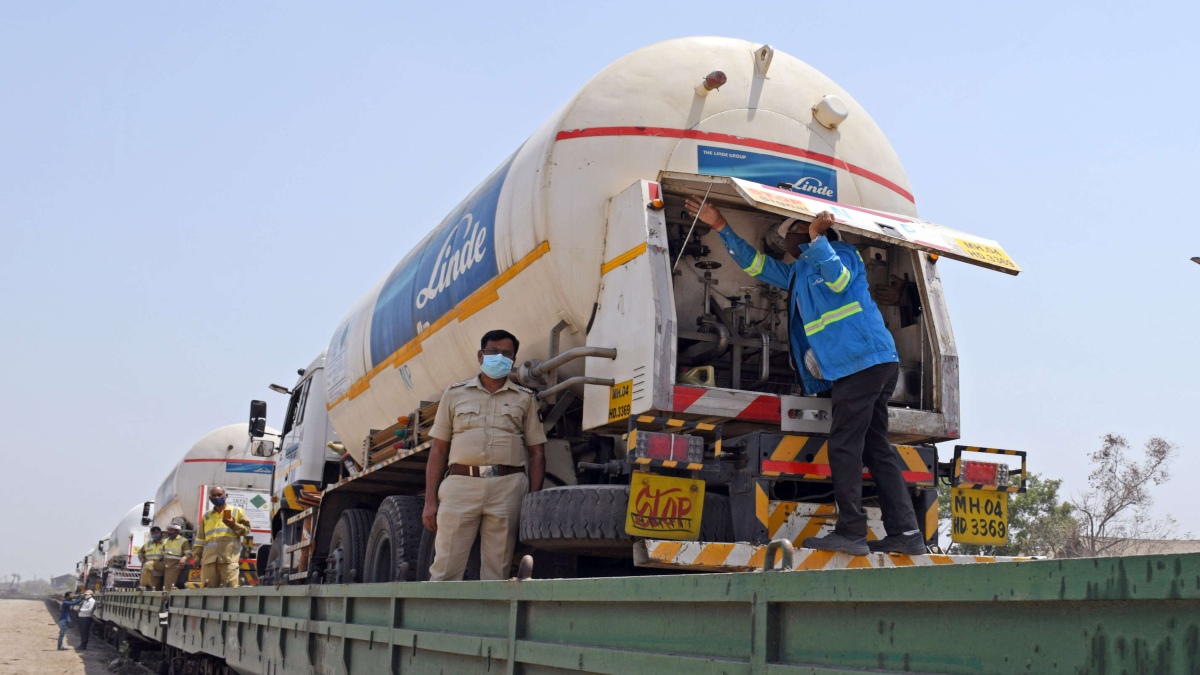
(452, 263)
(814, 187)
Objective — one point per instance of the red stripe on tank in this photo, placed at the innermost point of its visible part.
(663, 132)
(232, 461)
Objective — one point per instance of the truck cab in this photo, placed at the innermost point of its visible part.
(307, 463)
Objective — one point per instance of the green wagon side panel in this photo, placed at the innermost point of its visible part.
(1104, 615)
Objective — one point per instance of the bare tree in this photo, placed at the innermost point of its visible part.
(1115, 511)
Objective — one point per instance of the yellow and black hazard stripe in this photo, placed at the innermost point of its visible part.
(249, 571)
(668, 463)
(300, 496)
(807, 457)
(671, 425)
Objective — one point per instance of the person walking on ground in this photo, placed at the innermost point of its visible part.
(64, 616)
(218, 543)
(173, 545)
(485, 432)
(840, 342)
(151, 556)
(85, 619)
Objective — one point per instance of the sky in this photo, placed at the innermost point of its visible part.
(193, 195)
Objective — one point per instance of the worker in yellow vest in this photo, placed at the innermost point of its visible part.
(218, 543)
(151, 555)
(173, 545)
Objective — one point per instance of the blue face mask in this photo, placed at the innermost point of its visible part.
(496, 366)
(218, 501)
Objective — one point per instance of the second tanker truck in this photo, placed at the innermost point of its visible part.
(662, 368)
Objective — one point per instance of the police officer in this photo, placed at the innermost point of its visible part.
(486, 432)
(151, 556)
(218, 542)
(173, 545)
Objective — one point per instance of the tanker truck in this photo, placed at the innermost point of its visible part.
(681, 434)
(117, 559)
(223, 458)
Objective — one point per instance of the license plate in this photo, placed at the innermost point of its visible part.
(979, 516)
(620, 400)
(664, 507)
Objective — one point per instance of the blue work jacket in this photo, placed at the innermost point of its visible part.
(830, 307)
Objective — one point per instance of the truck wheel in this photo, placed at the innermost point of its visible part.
(395, 539)
(425, 558)
(590, 520)
(348, 547)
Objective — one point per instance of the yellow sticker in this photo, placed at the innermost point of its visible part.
(664, 507)
(987, 253)
(979, 516)
(620, 400)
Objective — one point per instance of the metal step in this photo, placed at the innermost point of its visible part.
(306, 513)
(296, 547)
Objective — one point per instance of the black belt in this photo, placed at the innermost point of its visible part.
(485, 471)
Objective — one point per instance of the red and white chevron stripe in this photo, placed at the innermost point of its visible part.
(729, 403)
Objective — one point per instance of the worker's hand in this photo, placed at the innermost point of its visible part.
(822, 222)
(228, 520)
(709, 215)
(429, 516)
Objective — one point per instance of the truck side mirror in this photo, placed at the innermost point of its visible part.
(262, 448)
(146, 513)
(258, 418)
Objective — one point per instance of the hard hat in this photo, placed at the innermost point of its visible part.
(173, 526)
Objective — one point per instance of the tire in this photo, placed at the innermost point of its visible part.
(348, 547)
(395, 540)
(425, 558)
(590, 520)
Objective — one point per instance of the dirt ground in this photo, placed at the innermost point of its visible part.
(28, 644)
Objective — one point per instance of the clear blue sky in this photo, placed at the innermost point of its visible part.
(192, 195)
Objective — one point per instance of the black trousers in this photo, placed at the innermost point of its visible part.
(858, 437)
(85, 631)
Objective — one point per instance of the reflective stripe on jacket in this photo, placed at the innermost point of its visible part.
(151, 550)
(173, 547)
(216, 541)
(831, 310)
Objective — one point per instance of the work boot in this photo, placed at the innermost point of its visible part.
(837, 542)
(908, 544)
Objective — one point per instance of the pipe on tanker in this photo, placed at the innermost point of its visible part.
(570, 355)
(533, 374)
(579, 379)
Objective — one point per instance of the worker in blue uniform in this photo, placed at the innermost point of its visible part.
(839, 342)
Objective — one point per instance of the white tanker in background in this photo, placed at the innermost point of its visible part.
(117, 559)
(221, 457)
(654, 356)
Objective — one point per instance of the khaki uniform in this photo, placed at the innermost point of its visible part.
(172, 560)
(219, 547)
(151, 555)
(483, 429)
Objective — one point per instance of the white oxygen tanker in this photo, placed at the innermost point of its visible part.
(121, 567)
(220, 458)
(627, 309)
